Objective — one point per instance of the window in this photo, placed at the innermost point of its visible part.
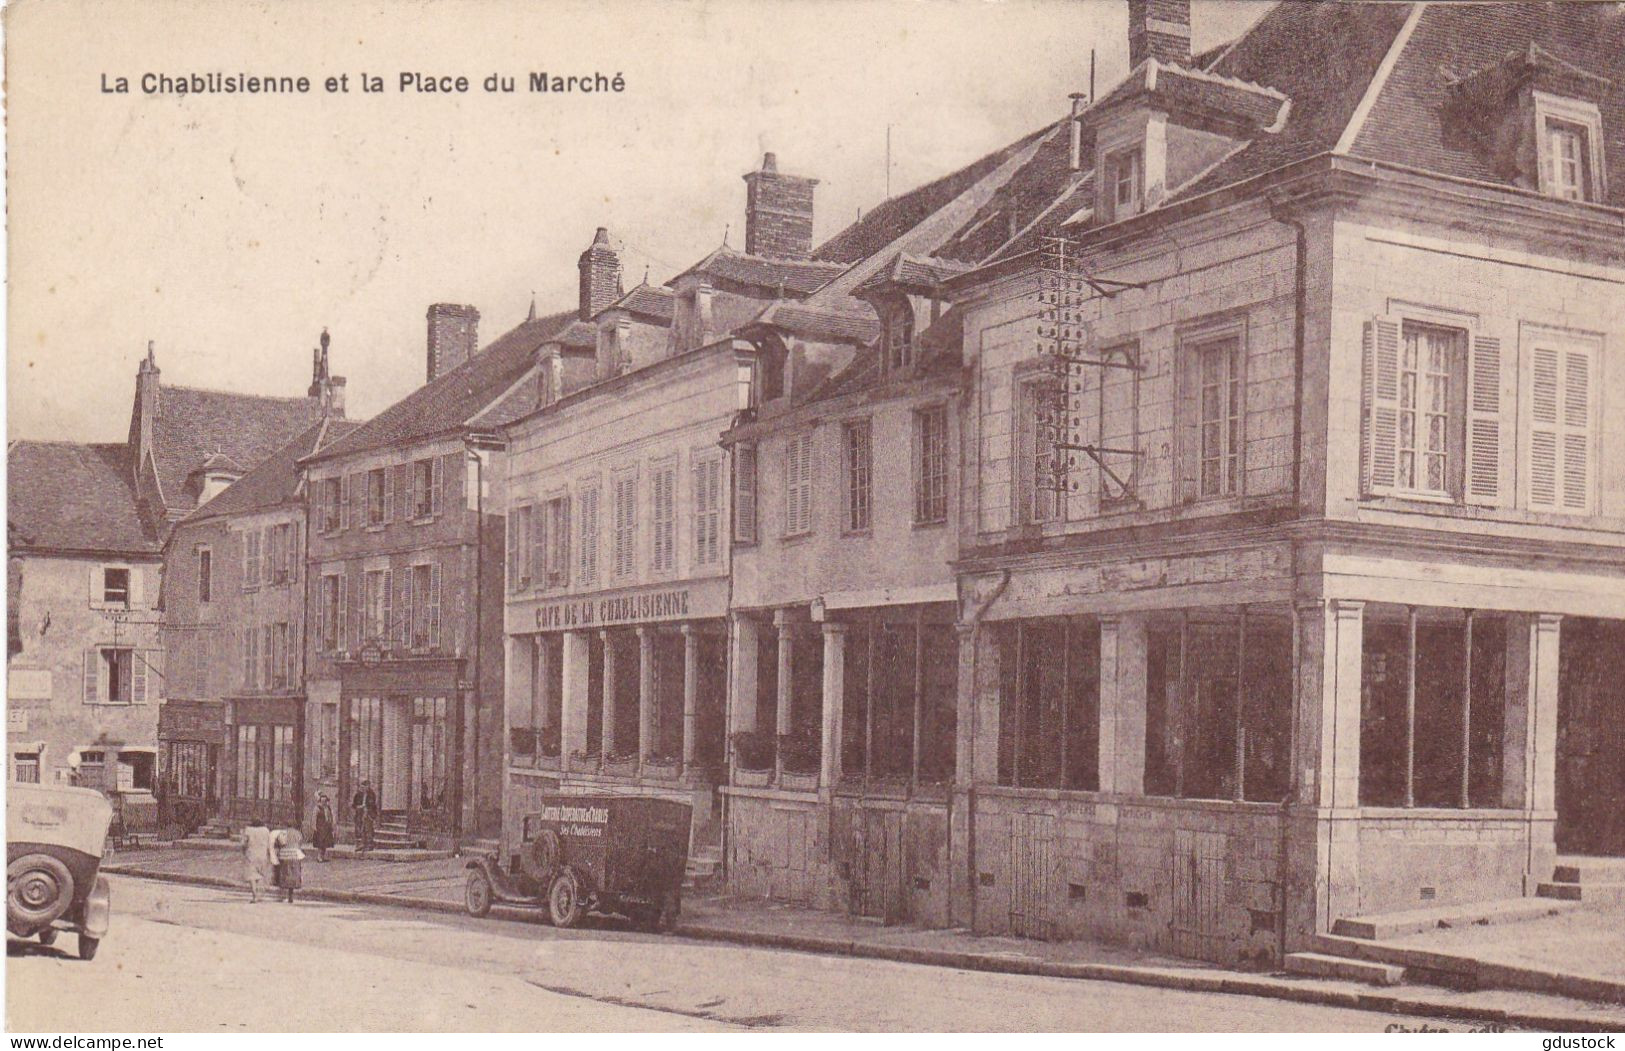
(92, 768)
(330, 505)
(519, 548)
(899, 326)
(626, 525)
(1040, 467)
(115, 675)
(663, 512)
(745, 493)
(427, 486)
(205, 574)
(1414, 416)
(930, 466)
(1568, 147)
(376, 596)
(556, 542)
(798, 485)
(1560, 466)
(1124, 182)
(859, 458)
(279, 553)
(707, 504)
(265, 762)
(377, 496)
(745, 377)
(899, 698)
(251, 658)
(587, 562)
(1219, 417)
(331, 612)
(116, 586)
(425, 605)
(252, 559)
(25, 768)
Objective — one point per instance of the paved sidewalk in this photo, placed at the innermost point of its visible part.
(1588, 941)
(437, 885)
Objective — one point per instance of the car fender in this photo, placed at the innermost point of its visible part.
(98, 908)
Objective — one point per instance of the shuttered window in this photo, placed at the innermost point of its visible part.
(625, 525)
(798, 485)
(663, 515)
(1414, 410)
(1485, 422)
(1561, 440)
(745, 494)
(556, 534)
(587, 560)
(707, 504)
(251, 559)
(519, 548)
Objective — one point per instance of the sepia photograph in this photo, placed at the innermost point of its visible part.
(814, 516)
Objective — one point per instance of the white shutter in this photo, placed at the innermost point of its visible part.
(386, 632)
(389, 493)
(539, 529)
(1484, 455)
(434, 605)
(344, 501)
(1544, 437)
(340, 639)
(437, 488)
(745, 494)
(138, 676)
(588, 560)
(1561, 468)
(1379, 446)
(92, 689)
(513, 549)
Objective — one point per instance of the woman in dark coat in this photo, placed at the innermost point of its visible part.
(321, 836)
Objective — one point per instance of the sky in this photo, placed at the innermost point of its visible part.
(229, 230)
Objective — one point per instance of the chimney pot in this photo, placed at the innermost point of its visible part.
(453, 336)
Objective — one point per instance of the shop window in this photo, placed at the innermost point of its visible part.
(801, 750)
(1049, 703)
(25, 768)
(1432, 693)
(899, 702)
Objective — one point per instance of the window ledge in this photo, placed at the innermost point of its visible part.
(796, 538)
(932, 524)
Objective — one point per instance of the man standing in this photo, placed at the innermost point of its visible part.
(365, 806)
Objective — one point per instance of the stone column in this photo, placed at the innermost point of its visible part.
(743, 633)
(646, 693)
(829, 772)
(607, 742)
(1122, 703)
(573, 722)
(691, 693)
(517, 711)
(781, 722)
(1529, 754)
(541, 688)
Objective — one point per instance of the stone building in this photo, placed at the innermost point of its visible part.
(86, 525)
(233, 725)
(404, 561)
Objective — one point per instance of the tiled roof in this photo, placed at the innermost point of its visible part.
(520, 400)
(192, 425)
(912, 272)
(73, 497)
(577, 334)
(650, 301)
(1030, 197)
(276, 480)
(852, 322)
(447, 404)
(1578, 44)
(897, 215)
(801, 276)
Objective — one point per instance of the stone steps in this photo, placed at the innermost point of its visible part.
(1384, 926)
(1344, 968)
(1590, 893)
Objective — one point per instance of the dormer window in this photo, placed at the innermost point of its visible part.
(1125, 178)
(899, 336)
(1569, 140)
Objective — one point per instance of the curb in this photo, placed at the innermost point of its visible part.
(1218, 982)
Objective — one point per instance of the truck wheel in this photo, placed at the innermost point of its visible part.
(564, 900)
(48, 936)
(39, 888)
(540, 858)
(88, 946)
(671, 906)
(477, 893)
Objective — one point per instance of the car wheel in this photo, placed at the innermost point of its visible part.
(564, 900)
(88, 946)
(477, 893)
(39, 888)
(48, 936)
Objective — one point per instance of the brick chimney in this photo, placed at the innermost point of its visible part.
(1159, 29)
(778, 212)
(453, 336)
(600, 267)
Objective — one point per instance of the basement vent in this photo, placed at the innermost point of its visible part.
(1136, 900)
(1076, 892)
(985, 879)
(921, 883)
(1429, 893)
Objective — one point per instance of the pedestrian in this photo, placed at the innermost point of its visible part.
(290, 860)
(365, 807)
(321, 836)
(259, 858)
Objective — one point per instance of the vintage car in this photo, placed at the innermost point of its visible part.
(581, 854)
(54, 840)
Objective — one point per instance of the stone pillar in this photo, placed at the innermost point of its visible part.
(541, 687)
(829, 772)
(1322, 866)
(1529, 754)
(646, 693)
(781, 722)
(573, 722)
(1122, 703)
(607, 743)
(691, 693)
(743, 635)
(517, 711)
